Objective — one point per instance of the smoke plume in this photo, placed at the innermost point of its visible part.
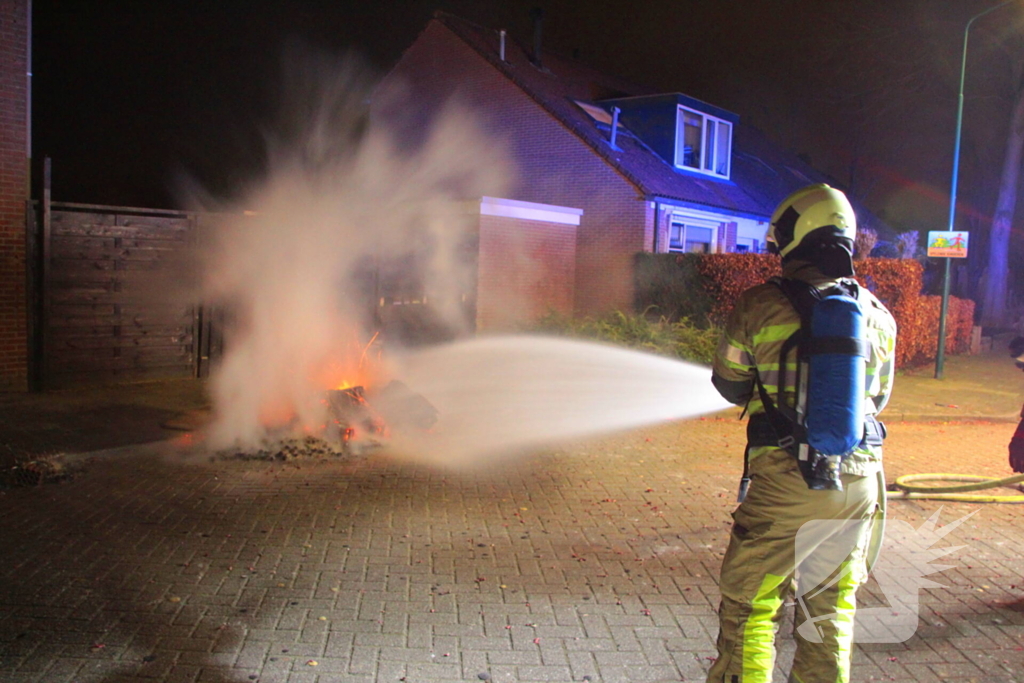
(292, 263)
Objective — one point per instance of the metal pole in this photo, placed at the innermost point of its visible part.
(940, 355)
(28, 106)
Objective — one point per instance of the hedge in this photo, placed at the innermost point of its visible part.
(705, 287)
(675, 338)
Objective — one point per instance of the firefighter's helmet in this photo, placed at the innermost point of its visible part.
(820, 211)
(815, 224)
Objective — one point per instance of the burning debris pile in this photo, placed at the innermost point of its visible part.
(357, 218)
(359, 422)
(286, 448)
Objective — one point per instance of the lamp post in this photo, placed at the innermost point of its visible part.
(940, 356)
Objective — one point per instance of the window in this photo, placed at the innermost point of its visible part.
(698, 240)
(689, 238)
(703, 142)
(675, 237)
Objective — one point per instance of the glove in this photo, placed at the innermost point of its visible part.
(1017, 449)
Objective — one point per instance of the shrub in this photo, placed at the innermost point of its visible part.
(726, 276)
(714, 281)
(671, 286)
(897, 283)
(680, 338)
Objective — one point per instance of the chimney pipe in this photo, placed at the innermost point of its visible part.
(537, 15)
(501, 49)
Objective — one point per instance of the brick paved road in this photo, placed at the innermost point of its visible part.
(598, 560)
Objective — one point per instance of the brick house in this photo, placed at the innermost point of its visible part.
(643, 171)
(14, 67)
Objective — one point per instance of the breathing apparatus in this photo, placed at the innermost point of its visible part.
(828, 420)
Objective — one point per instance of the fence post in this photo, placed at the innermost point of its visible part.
(32, 275)
(45, 338)
(197, 310)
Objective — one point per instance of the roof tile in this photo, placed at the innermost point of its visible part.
(762, 173)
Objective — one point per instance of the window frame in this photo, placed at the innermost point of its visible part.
(685, 223)
(681, 111)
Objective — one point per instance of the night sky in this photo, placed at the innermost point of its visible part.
(131, 95)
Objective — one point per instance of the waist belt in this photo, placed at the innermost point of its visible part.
(761, 433)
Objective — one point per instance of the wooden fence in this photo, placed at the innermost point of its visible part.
(100, 318)
(103, 313)
(103, 279)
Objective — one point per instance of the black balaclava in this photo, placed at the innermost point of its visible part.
(827, 249)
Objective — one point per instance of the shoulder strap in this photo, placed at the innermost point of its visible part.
(781, 417)
(802, 296)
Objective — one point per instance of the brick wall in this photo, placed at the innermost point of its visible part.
(553, 165)
(527, 269)
(727, 237)
(13, 191)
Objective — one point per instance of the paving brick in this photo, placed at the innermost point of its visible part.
(182, 674)
(252, 654)
(483, 643)
(434, 671)
(514, 657)
(543, 673)
(363, 660)
(378, 622)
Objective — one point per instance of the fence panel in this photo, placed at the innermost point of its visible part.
(102, 321)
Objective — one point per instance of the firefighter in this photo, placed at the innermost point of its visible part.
(813, 231)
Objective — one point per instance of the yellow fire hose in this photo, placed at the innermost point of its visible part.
(908, 488)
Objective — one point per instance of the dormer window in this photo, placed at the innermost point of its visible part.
(703, 142)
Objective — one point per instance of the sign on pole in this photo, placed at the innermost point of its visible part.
(945, 244)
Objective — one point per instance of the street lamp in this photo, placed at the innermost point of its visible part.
(940, 356)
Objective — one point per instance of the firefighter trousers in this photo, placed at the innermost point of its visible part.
(789, 541)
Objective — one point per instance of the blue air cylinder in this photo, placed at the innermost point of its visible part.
(835, 388)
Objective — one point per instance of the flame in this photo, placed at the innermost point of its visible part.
(358, 365)
(353, 364)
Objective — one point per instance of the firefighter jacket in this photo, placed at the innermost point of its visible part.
(763, 319)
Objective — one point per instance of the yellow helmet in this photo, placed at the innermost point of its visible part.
(817, 210)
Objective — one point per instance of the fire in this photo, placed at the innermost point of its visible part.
(342, 376)
(357, 365)
(359, 406)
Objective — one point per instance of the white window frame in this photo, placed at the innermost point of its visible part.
(703, 142)
(689, 220)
